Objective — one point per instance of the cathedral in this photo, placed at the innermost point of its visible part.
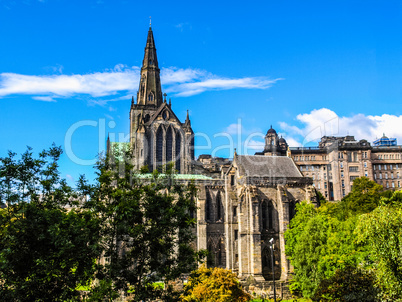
(156, 134)
(243, 203)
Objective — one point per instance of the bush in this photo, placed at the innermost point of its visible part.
(213, 285)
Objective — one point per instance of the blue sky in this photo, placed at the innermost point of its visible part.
(309, 68)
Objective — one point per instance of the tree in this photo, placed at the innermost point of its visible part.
(147, 228)
(365, 195)
(347, 284)
(213, 285)
(382, 231)
(46, 251)
(318, 244)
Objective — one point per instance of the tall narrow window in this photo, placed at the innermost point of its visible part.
(159, 149)
(169, 145)
(219, 215)
(208, 206)
(150, 97)
(178, 152)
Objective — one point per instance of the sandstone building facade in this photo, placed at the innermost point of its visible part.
(242, 203)
(245, 202)
(337, 161)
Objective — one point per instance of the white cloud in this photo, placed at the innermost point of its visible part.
(120, 80)
(234, 129)
(44, 98)
(320, 122)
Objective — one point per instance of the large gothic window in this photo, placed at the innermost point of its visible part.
(219, 207)
(169, 145)
(150, 154)
(266, 215)
(208, 209)
(159, 149)
(178, 151)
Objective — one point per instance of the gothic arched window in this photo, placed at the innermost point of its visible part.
(169, 145)
(159, 149)
(178, 151)
(150, 97)
(219, 214)
(208, 209)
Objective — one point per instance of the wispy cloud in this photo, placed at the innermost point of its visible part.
(320, 122)
(120, 81)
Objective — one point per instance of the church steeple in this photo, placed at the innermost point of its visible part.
(150, 91)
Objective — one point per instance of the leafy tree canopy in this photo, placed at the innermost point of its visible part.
(48, 244)
(213, 285)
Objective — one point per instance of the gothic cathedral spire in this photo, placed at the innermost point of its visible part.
(150, 91)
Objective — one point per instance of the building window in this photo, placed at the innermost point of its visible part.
(342, 174)
(385, 167)
(325, 185)
(375, 176)
(387, 184)
(392, 175)
(393, 185)
(353, 169)
(380, 175)
(366, 173)
(234, 212)
(396, 166)
(386, 175)
(319, 187)
(343, 183)
(343, 192)
(312, 168)
(365, 164)
(397, 175)
(352, 178)
(236, 234)
(379, 167)
(390, 167)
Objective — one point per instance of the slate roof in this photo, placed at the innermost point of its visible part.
(267, 166)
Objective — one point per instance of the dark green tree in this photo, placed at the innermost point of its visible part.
(364, 197)
(382, 231)
(48, 244)
(148, 229)
(349, 284)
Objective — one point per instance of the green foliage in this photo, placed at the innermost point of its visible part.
(354, 239)
(318, 244)
(382, 231)
(213, 285)
(347, 284)
(46, 251)
(147, 229)
(364, 197)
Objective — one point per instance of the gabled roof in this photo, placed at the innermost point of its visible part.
(266, 166)
(159, 111)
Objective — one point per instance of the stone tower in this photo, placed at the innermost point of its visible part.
(157, 136)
